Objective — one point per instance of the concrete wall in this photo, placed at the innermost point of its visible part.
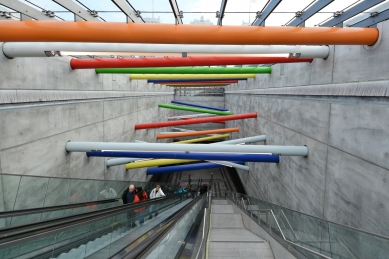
(345, 177)
(33, 135)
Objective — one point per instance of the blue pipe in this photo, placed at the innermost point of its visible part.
(264, 158)
(199, 106)
(190, 80)
(189, 167)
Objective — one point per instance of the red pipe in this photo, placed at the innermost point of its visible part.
(219, 122)
(178, 62)
(163, 124)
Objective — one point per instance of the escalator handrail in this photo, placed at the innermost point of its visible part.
(158, 232)
(54, 226)
(14, 213)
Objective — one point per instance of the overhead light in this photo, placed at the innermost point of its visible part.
(49, 13)
(6, 14)
(93, 13)
(299, 13)
(338, 13)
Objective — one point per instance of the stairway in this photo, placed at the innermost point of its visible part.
(229, 238)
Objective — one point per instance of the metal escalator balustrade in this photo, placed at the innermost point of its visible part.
(81, 236)
(309, 236)
(170, 238)
(28, 192)
(24, 217)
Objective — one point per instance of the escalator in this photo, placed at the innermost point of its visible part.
(185, 225)
(100, 233)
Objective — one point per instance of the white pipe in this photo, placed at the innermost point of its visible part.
(280, 150)
(123, 161)
(38, 49)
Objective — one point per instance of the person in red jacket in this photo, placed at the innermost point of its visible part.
(140, 195)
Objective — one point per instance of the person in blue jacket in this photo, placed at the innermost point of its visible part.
(180, 190)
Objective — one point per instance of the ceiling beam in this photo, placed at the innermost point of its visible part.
(127, 10)
(356, 9)
(271, 5)
(373, 19)
(77, 10)
(26, 10)
(221, 12)
(301, 17)
(176, 12)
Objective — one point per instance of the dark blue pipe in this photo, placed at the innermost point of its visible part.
(264, 158)
(199, 106)
(190, 80)
(180, 168)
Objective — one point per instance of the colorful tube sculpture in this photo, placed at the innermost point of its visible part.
(121, 161)
(198, 76)
(191, 109)
(264, 158)
(199, 105)
(203, 81)
(156, 162)
(194, 86)
(209, 148)
(39, 49)
(163, 124)
(186, 70)
(180, 168)
(196, 140)
(196, 133)
(178, 62)
(118, 32)
(186, 84)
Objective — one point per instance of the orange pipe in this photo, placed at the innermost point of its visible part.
(61, 31)
(196, 133)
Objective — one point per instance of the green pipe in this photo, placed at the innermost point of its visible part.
(184, 108)
(186, 70)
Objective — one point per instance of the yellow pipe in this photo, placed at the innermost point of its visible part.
(184, 76)
(201, 139)
(156, 162)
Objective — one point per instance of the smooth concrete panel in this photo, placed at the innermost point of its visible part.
(356, 193)
(117, 108)
(37, 157)
(221, 209)
(82, 166)
(361, 130)
(20, 126)
(355, 63)
(321, 70)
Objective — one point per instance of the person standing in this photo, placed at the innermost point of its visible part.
(140, 195)
(128, 197)
(155, 193)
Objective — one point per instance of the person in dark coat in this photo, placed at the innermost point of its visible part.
(128, 197)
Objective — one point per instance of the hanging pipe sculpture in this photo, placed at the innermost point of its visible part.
(199, 105)
(196, 133)
(184, 108)
(192, 76)
(186, 70)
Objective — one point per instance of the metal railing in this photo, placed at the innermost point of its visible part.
(311, 237)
